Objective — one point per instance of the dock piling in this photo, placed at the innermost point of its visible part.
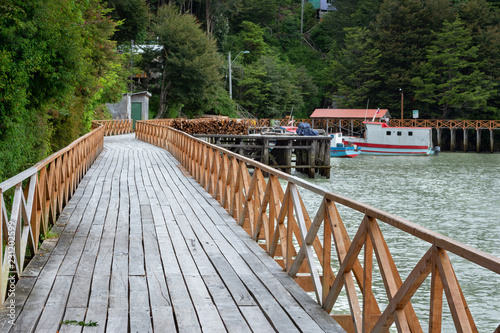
(312, 153)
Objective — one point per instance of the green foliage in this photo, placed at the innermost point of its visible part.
(258, 11)
(347, 14)
(402, 32)
(252, 39)
(80, 323)
(353, 72)
(269, 88)
(134, 19)
(451, 77)
(189, 59)
(55, 57)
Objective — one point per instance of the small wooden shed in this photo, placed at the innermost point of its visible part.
(133, 106)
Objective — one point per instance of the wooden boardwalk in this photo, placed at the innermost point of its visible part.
(142, 248)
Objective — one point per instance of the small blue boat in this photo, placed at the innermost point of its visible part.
(339, 149)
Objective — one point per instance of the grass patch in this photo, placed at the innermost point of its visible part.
(49, 235)
(80, 323)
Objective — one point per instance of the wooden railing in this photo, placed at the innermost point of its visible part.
(115, 126)
(279, 221)
(38, 195)
(447, 123)
(358, 123)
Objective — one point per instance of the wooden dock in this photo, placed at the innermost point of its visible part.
(142, 247)
(312, 153)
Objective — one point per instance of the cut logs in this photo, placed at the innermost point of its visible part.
(210, 126)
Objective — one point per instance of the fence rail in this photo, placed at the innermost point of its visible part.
(115, 126)
(279, 221)
(39, 195)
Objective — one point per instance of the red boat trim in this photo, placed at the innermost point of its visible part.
(375, 145)
(394, 152)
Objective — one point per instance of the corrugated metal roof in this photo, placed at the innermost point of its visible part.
(348, 113)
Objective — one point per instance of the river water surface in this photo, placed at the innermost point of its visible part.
(455, 194)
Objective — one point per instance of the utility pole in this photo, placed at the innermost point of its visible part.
(302, 19)
(401, 103)
(131, 64)
(230, 62)
(230, 76)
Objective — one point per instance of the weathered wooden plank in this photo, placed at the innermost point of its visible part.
(117, 320)
(321, 317)
(53, 310)
(118, 285)
(136, 251)
(185, 313)
(207, 313)
(163, 319)
(33, 307)
(230, 313)
(97, 303)
(14, 304)
(36, 264)
(72, 314)
(273, 310)
(80, 292)
(161, 310)
(301, 318)
(140, 313)
(72, 257)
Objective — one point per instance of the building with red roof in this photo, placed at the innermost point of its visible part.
(365, 114)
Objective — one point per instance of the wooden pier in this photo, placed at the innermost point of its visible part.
(312, 153)
(185, 238)
(141, 247)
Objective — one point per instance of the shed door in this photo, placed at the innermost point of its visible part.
(136, 112)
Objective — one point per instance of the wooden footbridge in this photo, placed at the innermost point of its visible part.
(183, 237)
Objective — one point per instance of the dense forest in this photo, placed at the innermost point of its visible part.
(61, 60)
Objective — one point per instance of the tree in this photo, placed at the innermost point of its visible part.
(483, 20)
(189, 62)
(133, 18)
(353, 73)
(450, 76)
(269, 88)
(258, 11)
(252, 39)
(330, 32)
(402, 32)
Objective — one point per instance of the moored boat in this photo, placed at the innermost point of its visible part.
(339, 149)
(381, 139)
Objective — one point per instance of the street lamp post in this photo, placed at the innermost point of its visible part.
(230, 76)
(401, 103)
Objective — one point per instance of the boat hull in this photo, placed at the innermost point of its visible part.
(343, 152)
(374, 149)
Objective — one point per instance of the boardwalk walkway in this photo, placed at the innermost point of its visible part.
(142, 248)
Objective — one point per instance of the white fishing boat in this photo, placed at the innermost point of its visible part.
(381, 139)
(339, 149)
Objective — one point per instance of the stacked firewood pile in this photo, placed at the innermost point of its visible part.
(210, 126)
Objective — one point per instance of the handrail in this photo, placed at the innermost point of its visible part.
(278, 220)
(40, 194)
(115, 126)
(357, 123)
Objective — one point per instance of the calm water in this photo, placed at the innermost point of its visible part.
(455, 194)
